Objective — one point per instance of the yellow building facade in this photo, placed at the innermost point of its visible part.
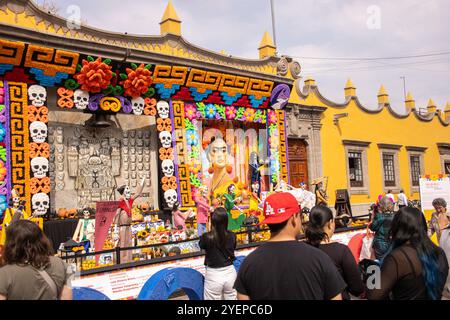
(369, 152)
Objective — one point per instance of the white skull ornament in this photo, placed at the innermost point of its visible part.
(163, 109)
(37, 95)
(138, 105)
(38, 131)
(39, 166)
(167, 167)
(81, 99)
(40, 204)
(170, 196)
(166, 139)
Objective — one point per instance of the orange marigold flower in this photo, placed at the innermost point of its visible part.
(94, 76)
(138, 81)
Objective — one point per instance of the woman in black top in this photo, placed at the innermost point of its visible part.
(318, 234)
(414, 268)
(219, 245)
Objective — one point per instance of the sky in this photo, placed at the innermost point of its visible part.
(333, 40)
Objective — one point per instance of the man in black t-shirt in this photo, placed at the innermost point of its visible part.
(284, 268)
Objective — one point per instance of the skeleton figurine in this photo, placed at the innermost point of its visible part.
(37, 95)
(85, 228)
(81, 99)
(163, 109)
(123, 218)
(13, 213)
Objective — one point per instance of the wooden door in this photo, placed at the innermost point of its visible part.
(298, 162)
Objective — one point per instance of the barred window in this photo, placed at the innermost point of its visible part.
(415, 170)
(389, 173)
(355, 169)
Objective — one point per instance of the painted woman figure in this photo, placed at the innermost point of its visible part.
(13, 213)
(230, 203)
(217, 155)
(321, 196)
(124, 218)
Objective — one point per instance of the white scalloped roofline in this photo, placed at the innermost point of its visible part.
(308, 89)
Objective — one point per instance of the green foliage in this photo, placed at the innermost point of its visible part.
(71, 84)
(221, 111)
(150, 92)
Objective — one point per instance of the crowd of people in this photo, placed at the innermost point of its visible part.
(410, 265)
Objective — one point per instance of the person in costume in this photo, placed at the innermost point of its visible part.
(124, 218)
(230, 203)
(13, 213)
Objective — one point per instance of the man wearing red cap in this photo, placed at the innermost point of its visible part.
(284, 268)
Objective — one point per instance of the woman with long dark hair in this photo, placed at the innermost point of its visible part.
(219, 245)
(318, 234)
(414, 267)
(29, 271)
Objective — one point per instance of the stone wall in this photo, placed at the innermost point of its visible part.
(88, 164)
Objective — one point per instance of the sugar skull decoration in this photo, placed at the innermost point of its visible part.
(137, 104)
(167, 167)
(81, 99)
(38, 131)
(40, 203)
(171, 197)
(37, 95)
(39, 166)
(163, 109)
(166, 139)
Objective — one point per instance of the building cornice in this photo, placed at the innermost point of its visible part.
(311, 88)
(120, 53)
(416, 149)
(150, 46)
(389, 146)
(356, 143)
